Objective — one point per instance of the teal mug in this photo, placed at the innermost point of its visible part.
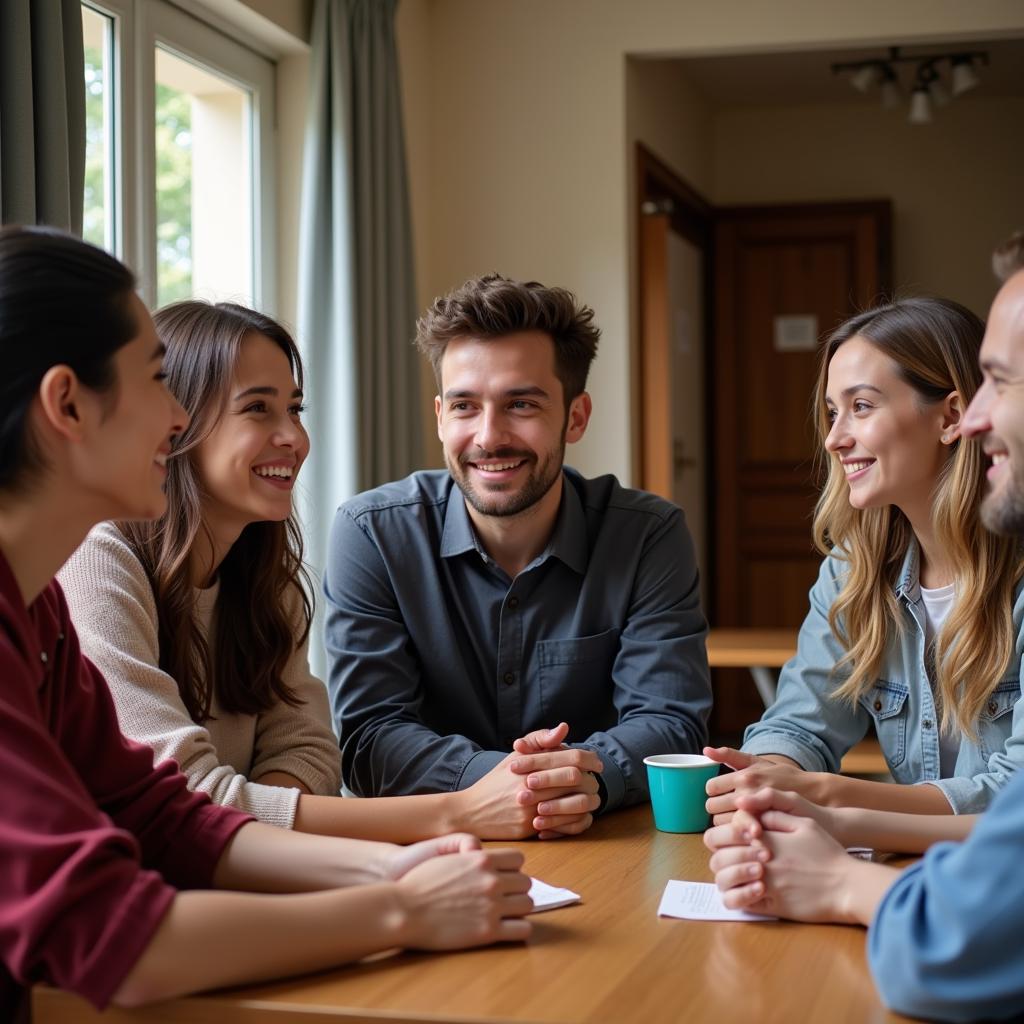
(677, 782)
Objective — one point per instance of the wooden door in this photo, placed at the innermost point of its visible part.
(784, 277)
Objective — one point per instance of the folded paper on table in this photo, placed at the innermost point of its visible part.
(547, 897)
(701, 901)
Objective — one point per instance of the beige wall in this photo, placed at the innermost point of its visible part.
(669, 116)
(955, 183)
(291, 16)
(527, 169)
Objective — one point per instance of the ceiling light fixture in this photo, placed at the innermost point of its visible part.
(965, 77)
(932, 81)
(891, 93)
(920, 105)
(929, 88)
(866, 77)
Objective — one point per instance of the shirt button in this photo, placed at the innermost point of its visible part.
(44, 657)
(509, 677)
(878, 705)
(927, 723)
(513, 602)
(992, 707)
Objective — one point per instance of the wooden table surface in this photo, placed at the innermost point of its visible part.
(610, 959)
(750, 648)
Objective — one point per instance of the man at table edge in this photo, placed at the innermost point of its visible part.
(470, 606)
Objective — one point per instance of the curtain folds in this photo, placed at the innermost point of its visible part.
(357, 301)
(42, 113)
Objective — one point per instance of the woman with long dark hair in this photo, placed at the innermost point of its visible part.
(200, 620)
(96, 843)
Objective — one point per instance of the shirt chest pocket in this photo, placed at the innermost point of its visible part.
(996, 717)
(886, 703)
(575, 681)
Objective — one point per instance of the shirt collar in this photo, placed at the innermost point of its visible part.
(907, 583)
(568, 540)
(458, 536)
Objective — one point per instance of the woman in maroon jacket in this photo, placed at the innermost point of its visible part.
(96, 843)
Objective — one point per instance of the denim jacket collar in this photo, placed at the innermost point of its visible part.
(908, 584)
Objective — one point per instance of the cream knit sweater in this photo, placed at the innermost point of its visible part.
(114, 612)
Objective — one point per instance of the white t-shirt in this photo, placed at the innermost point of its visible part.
(938, 602)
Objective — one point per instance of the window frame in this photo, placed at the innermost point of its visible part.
(139, 27)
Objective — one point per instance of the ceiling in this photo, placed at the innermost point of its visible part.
(772, 79)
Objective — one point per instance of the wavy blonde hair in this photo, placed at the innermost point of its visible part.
(934, 345)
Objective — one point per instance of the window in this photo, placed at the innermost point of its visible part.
(99, 223)
(179, 160)
(203, 183)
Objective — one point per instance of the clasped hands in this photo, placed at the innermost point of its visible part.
(752, 773)
(542, 788)
(777, 851)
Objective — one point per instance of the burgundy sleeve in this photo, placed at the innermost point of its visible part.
(76, 905)
(180, 834)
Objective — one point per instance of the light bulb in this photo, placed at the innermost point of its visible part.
(920, 106)
(964, 76)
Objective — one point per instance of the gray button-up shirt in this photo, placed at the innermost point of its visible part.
(439, 660)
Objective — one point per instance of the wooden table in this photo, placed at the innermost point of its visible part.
(609, 960)
(759, 650)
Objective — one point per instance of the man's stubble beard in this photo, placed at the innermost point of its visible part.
(537, 485)
(1004, 513)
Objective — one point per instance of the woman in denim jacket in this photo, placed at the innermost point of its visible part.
(915, 623)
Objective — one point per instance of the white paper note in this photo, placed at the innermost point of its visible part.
(547, 897)
(701, 901)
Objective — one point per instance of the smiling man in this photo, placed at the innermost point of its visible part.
(996, 416)
(506, 630)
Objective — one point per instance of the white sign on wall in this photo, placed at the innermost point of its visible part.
(796, 333)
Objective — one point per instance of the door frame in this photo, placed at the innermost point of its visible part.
(659, 189)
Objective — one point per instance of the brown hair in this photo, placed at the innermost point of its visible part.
(1008, 258)
(494, 306)
(934, 344)
(263, 583)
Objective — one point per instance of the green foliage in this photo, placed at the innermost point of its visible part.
(94, 223)
(173, 177)
(173, 194)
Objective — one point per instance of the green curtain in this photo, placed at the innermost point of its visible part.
(357, 303)
(42, 113)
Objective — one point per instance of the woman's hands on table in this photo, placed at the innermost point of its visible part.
(779, 855)
(751, 773)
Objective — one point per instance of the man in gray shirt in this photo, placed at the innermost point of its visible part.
(506, 629)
